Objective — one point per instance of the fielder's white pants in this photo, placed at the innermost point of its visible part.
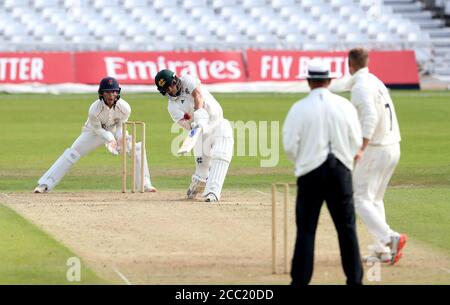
(87, 142)
(213, 154)
(370, 180)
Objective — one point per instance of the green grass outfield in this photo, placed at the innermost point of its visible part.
(30, 256)
(36, 129)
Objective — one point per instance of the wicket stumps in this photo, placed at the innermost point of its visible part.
(133, 156)
(285, 187)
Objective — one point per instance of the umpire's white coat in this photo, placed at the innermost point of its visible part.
(372, 173)
(321, 123)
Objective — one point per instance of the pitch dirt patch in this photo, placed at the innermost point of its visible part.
(163, 239)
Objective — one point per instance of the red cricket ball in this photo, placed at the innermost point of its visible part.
(187, 116)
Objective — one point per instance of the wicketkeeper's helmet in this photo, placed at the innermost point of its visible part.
(164, 79)
(109, 84)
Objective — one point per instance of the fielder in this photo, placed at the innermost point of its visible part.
(193, 107)
(103, 127)
(377, 157)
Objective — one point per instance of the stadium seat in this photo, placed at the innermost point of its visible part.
(43, 29)
(295, 40)
(128, 4)
(252, 30)
(343, 29)
(10, 4)
(309, 4)
(110, 39)
(222, 31)
(313, 46)
(171, 38)
(373, 29)
(217, 24)
(320, 10)
(378, 11)
(140, 38)
(74, 30)
(278, 4)
(265, 40)
(67, 4)
(217, 4)
(356, 39)
(253, 3)
(387, 40)
(193, 4)
(81, 39)
(137, 13)
(52, 39)
(282, 31)
(200, 11)
(160, 4)
(30, 20)
(347, 12)
(102, 4)
(21, 39)
(365, 4)
(327, 38)
(332, 24)
(102, 29)
(128, 46)
(14, 29)
(48, 12)
(40, 4)
(18, 12)
(304, 25)
(233, 38)
(134, 30)
(340, 3)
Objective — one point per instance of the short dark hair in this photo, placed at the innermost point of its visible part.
(359, 57)
(319, 82)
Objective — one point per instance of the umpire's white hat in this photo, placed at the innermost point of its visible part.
(318, 69)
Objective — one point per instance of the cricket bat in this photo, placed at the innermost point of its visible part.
(190, 141)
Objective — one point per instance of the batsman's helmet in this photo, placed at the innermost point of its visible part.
(164, 79)
(109, 84)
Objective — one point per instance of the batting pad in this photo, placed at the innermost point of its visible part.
(57, 171)
(219, 169)
(222, 149)
(147, 181)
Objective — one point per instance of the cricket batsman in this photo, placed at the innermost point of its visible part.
(103, 127)
(195, 109)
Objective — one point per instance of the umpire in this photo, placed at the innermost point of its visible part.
(322, 135)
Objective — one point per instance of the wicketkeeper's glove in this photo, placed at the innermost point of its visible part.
(112, 147)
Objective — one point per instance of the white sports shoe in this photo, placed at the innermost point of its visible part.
(377, 258)
(396, 245)
(197, 186)
(41, 188)
(210, 197)
(150, 189)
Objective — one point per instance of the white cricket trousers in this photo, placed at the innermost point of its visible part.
(370, 180)
(87, 142)
(213, 154)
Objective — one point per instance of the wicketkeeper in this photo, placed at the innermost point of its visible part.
(194, 108)
(103, 127)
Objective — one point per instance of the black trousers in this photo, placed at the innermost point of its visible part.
(331, 182)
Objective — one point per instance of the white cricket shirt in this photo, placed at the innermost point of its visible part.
(321, 123)
(375, 108)
(105, 121)
(184, 103)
